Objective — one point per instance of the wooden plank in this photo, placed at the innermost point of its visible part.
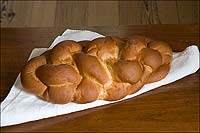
(188, 12)
(130, 12)
(103, 13)
(43, 14)
(173, 107)
(198, 12)
(22, 10)
(99, 13)
(149, 13)
(71, 13)
(167, 12)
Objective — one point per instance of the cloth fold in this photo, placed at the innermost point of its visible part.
(20, 106)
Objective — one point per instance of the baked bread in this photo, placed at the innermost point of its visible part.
(108, 68)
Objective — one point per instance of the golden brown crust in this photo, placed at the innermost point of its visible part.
(117, 91)
(132, 47)
(128, 71)
(62, 53)
(60, 94)
(159, 74)
(87, 91)
(150, 58)
(28, 78)
(89, 66)
(107, 68)
(104, 48)
(57, 74)
(84, 45)
(164, 49)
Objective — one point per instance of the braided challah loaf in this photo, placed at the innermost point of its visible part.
(107, 68)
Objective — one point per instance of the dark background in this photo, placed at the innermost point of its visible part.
(97, 13)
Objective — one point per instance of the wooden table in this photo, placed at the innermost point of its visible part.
(174, 107)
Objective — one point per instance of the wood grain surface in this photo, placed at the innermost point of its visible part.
(171, 108)
(97, 13)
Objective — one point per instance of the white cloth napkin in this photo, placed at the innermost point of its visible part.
(20, 106)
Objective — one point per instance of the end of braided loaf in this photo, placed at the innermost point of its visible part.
(108, 68)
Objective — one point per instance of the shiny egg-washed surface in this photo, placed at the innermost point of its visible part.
(108, 68)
